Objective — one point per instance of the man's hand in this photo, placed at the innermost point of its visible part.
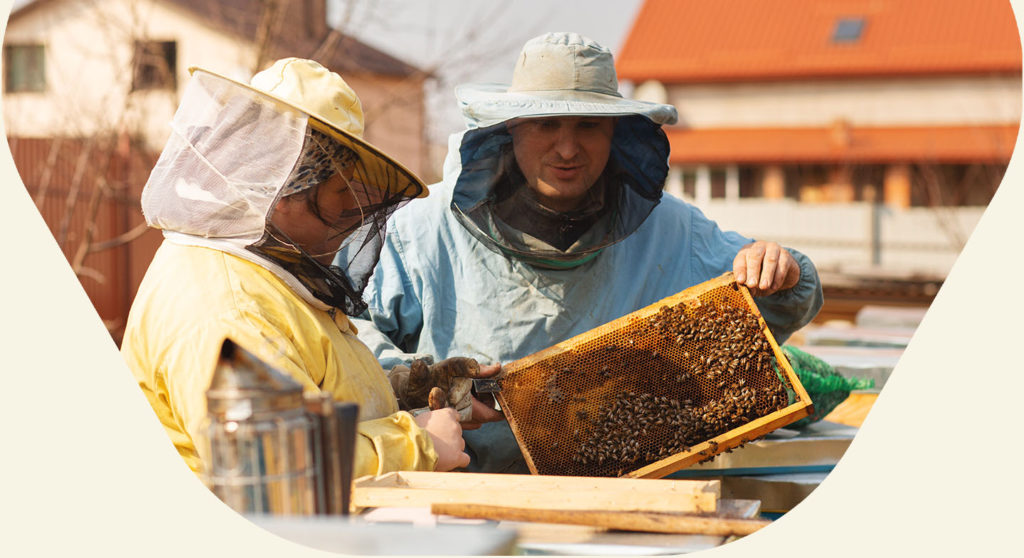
(483, 409)
(765, 268)
(446, 384)
(446, 435)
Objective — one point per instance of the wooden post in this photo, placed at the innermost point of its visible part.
(702, 192)
(896, 191)
(840, 185)
(674, 184)
(732, 183)
(773, 183)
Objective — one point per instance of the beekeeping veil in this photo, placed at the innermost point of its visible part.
(557, 74)
(236, 150)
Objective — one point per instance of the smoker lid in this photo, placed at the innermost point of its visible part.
(243, 385)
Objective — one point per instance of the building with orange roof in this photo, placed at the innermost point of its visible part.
(911, 102)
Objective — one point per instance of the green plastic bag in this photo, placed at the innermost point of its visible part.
(826, 387)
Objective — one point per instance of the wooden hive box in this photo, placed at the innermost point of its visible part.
(423, 489)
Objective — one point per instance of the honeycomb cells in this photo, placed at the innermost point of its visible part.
(647, 387)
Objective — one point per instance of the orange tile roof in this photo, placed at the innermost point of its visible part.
(719, 40)
(933, 144)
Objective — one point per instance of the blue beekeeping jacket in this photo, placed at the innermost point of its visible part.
(438, 291)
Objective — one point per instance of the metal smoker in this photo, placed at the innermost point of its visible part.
(272, 450)
(260, 457)
(335, 442)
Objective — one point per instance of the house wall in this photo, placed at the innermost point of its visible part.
(395, 117)
(855, 236)
(864, 102)
(88, 59)
(876, 102)
(89, 48)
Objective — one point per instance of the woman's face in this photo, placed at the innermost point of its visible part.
(320, 235)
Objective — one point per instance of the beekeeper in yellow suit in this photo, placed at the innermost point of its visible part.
(259, 187)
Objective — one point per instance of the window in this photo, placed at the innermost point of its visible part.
(717, 183)
(155, 65)
(848, 30)
(750, 182)
(24, 68)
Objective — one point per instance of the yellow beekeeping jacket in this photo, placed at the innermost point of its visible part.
(192, 298)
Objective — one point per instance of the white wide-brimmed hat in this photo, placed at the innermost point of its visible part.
(557, 74)
(333, 108)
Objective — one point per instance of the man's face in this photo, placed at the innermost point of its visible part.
(561, 157)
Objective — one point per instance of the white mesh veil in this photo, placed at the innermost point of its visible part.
(230, 151)
(234, 152)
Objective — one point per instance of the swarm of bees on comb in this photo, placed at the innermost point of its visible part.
(728, 365)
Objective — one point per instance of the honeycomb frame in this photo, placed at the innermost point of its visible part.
(652, 383)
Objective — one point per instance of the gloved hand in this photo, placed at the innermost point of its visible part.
(445, 384)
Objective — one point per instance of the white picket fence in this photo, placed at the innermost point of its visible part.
(855, 236)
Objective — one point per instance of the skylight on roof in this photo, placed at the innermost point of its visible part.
(848, 30)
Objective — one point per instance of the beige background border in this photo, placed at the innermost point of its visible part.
(86, 466)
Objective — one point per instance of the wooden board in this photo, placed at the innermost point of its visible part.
(416, 489)
(651, 522)
(853, 410)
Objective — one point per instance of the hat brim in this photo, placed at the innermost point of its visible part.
(388, 174)
(486, 104)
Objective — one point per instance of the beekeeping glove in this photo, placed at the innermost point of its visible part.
(445, 384)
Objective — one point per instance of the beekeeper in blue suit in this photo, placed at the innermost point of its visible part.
(550, 221)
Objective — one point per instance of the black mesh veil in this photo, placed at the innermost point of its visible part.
(347, 198)
(491, 200)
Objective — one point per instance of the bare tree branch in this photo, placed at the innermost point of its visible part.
(91, 223)
(945, 216)
(121, 239)
(72, 198)
(91, 274)
(271, 20)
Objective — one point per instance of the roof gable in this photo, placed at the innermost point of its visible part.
(701, 41)
(303, 33)
(299, 37)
